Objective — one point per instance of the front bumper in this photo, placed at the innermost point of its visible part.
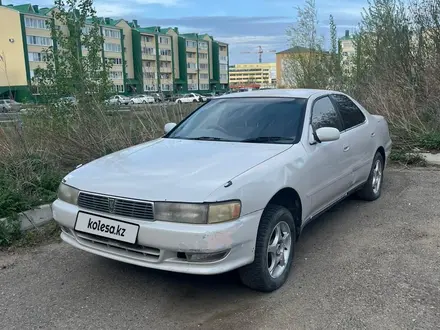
(165, 245)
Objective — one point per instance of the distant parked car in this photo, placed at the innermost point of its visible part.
(118, 100)
(9, 106)
(138, 99)
(191, 97)
(68, 99)
(158, 97)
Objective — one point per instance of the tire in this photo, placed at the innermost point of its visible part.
(257, 275)
(179, 102)
(144, 102)
(370, 191)
(194, 101)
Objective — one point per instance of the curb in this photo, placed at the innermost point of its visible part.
(432, 159)
(35, 218)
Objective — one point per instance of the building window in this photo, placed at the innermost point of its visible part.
(148, 64)
(150, 88)
(204, 86)
(223, 59)
(166, 87)
(165, 76)
(191, 44)
(150, 75)
(203, 56)
(36, 23)
(112, 33)
(164, 40)
(223, 67)
(193, 87)
(146, 39)
(87, 29)
(204, 76)
(39, 41)
(118, 88)
(165, 52)
(108, 47)
(190, 55)
(115, 74)
(114, 61)
(203, 45)
(148, 51)
(37, 57)
(192, 66)
(223, 48)
(164, 64)
(223, 77)
(31, 74)
(203, 66)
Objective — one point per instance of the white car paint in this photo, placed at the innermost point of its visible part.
(191, 97)
(118, 99)
(138, 99)
(193, 171)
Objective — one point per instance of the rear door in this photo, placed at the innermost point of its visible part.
(361, 140)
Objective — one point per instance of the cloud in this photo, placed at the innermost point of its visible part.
(165, 3)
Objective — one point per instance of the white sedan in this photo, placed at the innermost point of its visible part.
(230, 187)
(139, 99)
(191, 97)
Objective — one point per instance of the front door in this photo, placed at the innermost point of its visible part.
(330, 177)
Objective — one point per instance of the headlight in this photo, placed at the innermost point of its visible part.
(68, 194)
(197, 213)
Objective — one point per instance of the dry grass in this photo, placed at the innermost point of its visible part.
(53, 141)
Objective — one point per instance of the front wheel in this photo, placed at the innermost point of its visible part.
(274, 251)
(373, 187)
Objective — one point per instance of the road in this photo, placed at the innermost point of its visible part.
(359, 266)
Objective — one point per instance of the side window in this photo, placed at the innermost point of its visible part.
(324, 115)
(350, 113)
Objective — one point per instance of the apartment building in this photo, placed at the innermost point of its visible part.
(143, 59)
(348, 51)
(263, 74)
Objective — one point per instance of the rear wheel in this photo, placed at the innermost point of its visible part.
(373, 187)
(274, 251)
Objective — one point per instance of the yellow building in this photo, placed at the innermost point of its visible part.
(263, 74)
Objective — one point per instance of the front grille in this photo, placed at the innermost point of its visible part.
(117, 206)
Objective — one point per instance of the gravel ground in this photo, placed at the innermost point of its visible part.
(359, 266)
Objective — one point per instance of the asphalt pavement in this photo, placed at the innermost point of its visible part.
(360, 266)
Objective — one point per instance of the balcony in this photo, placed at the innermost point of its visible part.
(150, 57)
(166, 70)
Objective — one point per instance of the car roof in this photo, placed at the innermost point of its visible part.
(296, 93)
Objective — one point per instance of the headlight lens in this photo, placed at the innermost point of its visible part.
(197, 213)
(68, 194)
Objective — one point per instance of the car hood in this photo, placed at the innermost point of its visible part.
(171, 169)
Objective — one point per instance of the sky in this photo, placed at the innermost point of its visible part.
(244, 24)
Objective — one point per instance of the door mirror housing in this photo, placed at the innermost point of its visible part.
(327, 134)
(168, 127)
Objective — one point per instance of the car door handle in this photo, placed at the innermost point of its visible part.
(346, 148)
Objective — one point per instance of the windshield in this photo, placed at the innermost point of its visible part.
(258, 120)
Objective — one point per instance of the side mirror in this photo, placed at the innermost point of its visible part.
(326, 134)
(168, 127)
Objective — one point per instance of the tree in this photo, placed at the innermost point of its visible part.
(306, 67)
(71, 71)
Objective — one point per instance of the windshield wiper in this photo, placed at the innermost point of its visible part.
(262, 139)
(207, 138)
